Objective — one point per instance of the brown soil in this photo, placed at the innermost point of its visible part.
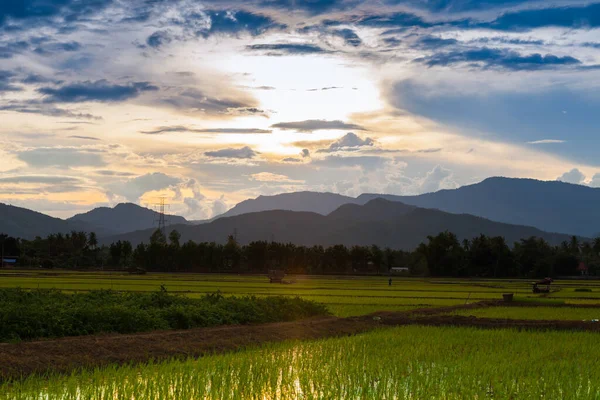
(68, 354)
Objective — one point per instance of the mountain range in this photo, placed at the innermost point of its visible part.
(379, 221)
(328, 218)
(104, 221)
(551, 206)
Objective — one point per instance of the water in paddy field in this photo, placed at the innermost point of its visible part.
(398, 363)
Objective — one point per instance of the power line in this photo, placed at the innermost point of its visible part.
(161, 219)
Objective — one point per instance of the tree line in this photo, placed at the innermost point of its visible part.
(442, 255)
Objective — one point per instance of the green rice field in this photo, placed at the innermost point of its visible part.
(408, 362)
(345, 296)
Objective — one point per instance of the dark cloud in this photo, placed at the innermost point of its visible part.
(292, 160)
(349, 36)
(567, 17)
(392, 20)
(62, 157)
(235, 22)
(158, 38)
(196, 101)
(56, 47)
(106, 172)
(312, 125)
(498, 58)
(8, 50)
(241, 153)
(98, 91)
(182, 128)
(433, 42)
(6, 82)
(288, 48)
(312, 7)
(392, 41)
(348, 142)
(506, 40)
(457, 6)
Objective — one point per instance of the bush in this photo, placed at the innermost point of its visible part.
(26, 315)
(583, 290)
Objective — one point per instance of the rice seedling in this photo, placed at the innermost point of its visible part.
(409, 362)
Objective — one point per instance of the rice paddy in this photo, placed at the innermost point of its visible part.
(345, 296)
(407, 362)
(397, 363)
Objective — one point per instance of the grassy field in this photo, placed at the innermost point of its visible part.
(399, 363)
(345, 296)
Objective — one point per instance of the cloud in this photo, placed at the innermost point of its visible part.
(98, 91)
(10, 49)
(429, 42)
(587, 16)
(241, 153)
(305, 153)
(436, 179)
(367, 163)
(287, 49)
(349, 142)
(574, 176)
(135, 188)
(312, 125)
(311, 7)
(271, 177)
(182, 128)
(43, 179)
(546, 141)
(62, 157)
(391, 20)
(190, 100)
(350, 37)
(44, 109)
(158, 39)
(497, 58)
(6, 82)
(292, 160)
(235, 22)
(595, 182)
(219, 206)
(36, 12)
(84, 137)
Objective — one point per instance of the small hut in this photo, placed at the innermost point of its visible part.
(276, 275)
(583, 269)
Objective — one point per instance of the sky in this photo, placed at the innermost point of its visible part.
(208, 103)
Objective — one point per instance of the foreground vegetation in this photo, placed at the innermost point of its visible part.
(399, 363)
(26, 315)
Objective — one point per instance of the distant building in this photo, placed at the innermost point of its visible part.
(9, 262)
(583, 269)
(399, 270)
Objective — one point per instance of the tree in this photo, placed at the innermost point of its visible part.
(92, 240)
(174, 238)
(158, 238)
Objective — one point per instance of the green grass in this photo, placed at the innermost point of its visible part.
(534, 313)
(409, 362)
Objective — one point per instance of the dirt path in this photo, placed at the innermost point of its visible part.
(65, 355)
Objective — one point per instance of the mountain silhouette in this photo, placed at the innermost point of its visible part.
(379, 221)
(124, 217)
(104, 221)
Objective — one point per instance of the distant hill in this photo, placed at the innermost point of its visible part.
(124, 217)
(382, 222)
(548, 205)
(105, 221)
(320, 203)
(27, 224)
